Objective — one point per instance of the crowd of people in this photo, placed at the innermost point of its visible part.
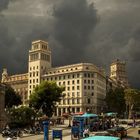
(104, 124)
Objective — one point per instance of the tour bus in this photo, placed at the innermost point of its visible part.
(89, 120)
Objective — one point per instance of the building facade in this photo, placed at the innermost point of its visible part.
(18, 82)
(85, 84)
(118, 73)
(85, 87)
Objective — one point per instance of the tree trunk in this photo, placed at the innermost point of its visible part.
(130, 111)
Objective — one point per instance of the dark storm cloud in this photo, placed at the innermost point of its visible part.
(76, 30)
(4, 4)
(73, 26)
(117, 35)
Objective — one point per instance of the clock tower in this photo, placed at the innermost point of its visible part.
(39, 62)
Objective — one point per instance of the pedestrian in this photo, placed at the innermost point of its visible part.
(134, 123)
(86, 132)
(9, 138)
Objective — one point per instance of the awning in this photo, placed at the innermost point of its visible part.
(89, 115)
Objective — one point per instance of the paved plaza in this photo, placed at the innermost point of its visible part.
(132, 132)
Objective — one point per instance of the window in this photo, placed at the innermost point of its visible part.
(92, 81)
(73, 76)
(72, 81)
(88, 81)
(68, 101)
(88, 101)
(85, 87)
(78, 93)
(33, 74)
(78, 87)
(37, 73)
(64, 83)
(68, 88)
(72, 87)
(72, 101)
(78, 75)
(85, 75)
(78, 101)
(85, 81)
(68, 82)
(92, 94)
(77, 81)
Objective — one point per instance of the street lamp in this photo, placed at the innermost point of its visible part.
(69, 112)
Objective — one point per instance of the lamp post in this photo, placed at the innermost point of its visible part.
(69, 112)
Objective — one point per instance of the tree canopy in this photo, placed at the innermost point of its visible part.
(115, 100)
(132, 99)
(11, 97)
(45, 96)
(21, 116)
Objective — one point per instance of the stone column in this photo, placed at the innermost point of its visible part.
(3, 118)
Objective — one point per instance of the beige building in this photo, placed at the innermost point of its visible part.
(85, 84)
(85, 87)
(18, 82)
(118, 73)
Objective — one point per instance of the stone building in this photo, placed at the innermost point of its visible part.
(18, 82)
(85, 84)
(118, 73)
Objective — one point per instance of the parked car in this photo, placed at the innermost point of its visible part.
(102, 138)
(118, 131)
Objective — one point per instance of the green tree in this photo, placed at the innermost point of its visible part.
(11, 97)
(115, 100)
(45, 97)
(132, 99)
(21, 116)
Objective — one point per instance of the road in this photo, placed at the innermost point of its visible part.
(132, 134)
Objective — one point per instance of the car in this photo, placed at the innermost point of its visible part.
(118, 131)
(102, 138)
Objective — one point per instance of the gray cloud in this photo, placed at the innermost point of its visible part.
(76, 31)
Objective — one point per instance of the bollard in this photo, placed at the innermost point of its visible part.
(74, 133)
(57, 134)
(46, 130)
(81, 128)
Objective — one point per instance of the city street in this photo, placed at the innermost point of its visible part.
(132, 134)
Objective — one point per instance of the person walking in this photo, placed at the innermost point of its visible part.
(86, 132)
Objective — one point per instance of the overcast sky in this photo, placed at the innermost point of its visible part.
(95, 31)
